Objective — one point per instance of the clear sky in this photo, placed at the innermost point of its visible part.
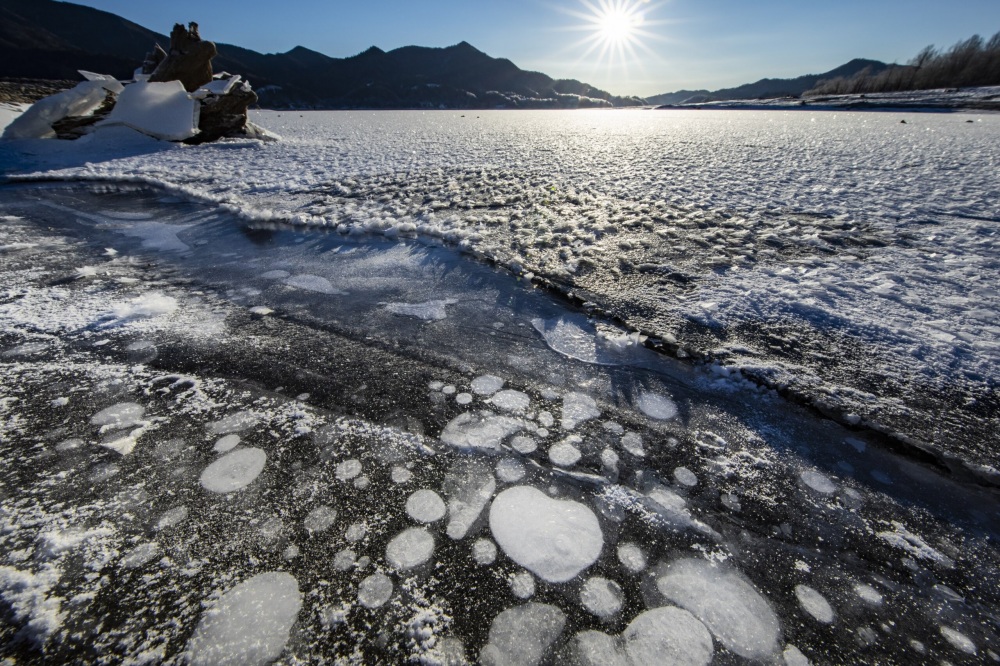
(640, 47)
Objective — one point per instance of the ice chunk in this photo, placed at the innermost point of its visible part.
(122, 415)
(522, 636)
(237, 422)
(818, 482)
(320, 519)
(233, 471)
(511, 401)
(565, 454)
(425, 506)
(484, 551)
(656, 406)
(222, 86)
(140, 555)
(552, 538)
(480, 430)
(81, 100)
(631, 557)
(736, 613)
(313, 283)
(577, 408)
(410, 548)
(668, 635)
(375, 590)
(815, 604)
(161, 110)
(468, 487)
(602, 597)
(226, 444)
(428, 311)
(249, 625)
(486, 385)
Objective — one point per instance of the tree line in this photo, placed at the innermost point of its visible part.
(971, 62)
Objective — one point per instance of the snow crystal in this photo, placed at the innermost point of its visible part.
(484, 551)
(602, 597)
(523, 635)
(685, 477)
(249, 625)
(565, 454)
(632, 442)
(122, 415)
(226, 443)
(510, 470)
(312, 283)
(523, 444)
(958, 640)
(428, 311)
(468, 488)
(668, 635)
(656, 406)
(425, 506)
(234, 471)
(577, 408)
(320, 519)
(522, 585)
(410, 548)
(480, 430)
(237, 422)
(736, 613)
(348, 469)
(486, 385)
(554, 539)
(815, 604)
(818, 482)
(631, 557)
(375, 590)
(140, 555)
(511, 401)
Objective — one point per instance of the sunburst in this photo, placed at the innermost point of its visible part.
(616, 30)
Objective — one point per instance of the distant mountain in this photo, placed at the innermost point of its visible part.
(46, 39)
(769, 88)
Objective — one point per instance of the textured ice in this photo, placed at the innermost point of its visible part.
(468, 488)
(523, 635)
(249, 624)
(602, 597)
(425, 506)
(656, 406)
(320, 519)
(410, 548)
(555, 539)
(428, 311)
(510, 401)
(375, 590)
(815, 604)
(234, 471)
(486, 385)
(481, 431)
(732, 609)
(577, 408)
(312, 283)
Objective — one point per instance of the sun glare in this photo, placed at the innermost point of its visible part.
(618, 24)
(615, 30)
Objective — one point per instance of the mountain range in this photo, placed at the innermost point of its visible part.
(47, 39)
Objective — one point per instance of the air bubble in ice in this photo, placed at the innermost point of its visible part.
(348, 469)
(656, 406)
(425, 506)
(375, 590)
(410, 548)
(818, 482)
(577, 408)
(486, 385)
(320, 519)
(815, 604)
(484, 551)
(118, 416)
(234, 471)
(523, 635)
(602, 597)
(227, 443)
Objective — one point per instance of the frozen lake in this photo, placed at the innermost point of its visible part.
(504, 391)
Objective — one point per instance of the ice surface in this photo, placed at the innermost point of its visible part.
(234, 471)
(602, 597)
(522, 636)
(410, 548)
(486, 385)
(732, 609)
(815, 604)
(577, 408)
(375, 590)
(480, 431)
(668, 635)
(425, 506)
(818, 482)
(555, 539)
(249, 624)
(428, 311)
(313, 283)
(162, 110)
(656, 406)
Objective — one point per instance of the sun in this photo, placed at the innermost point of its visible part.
(615, 30)
(619, 23)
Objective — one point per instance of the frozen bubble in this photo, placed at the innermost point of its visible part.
(881, 477)
(463, 398)
(685, 477)
(667, 635)
(249, 625)
(484, 551)
(656, 406)
(427, 311)
(348, 469)
(632, 442)
(69, 444)
(794, 657)
(609, 462)
(552, 538)
(522, 585)
(486, 385)
(410, 548)
(140, 555)
(614, 427)
(523, 444)
(480, 431)
(731, 502)
(355, 532)
(102, 473)
(577, 408)
(436, 386)
(523, 635)
(546, 419)
(375, 590)
(117, 416)
(425, 506)
(602, 597)
(510, 470)
(275, 275)
(261, 311)
(732, 609)
(320, 519)
(233, 471)
(345, 560)
(237, 422)
(814, 603)
(291, 552)
(958, 640)
(868, 594)
(818, 482)
(400, 474)
(362, 482)
(468, 488)
(564, 454)
(60, 402)
(856, 444)
(312, 283)
(227, 443)
(449, 390)
(511, 401)
(595, 648)
(171, 518)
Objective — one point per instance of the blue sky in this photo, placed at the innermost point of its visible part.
(680, 44)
